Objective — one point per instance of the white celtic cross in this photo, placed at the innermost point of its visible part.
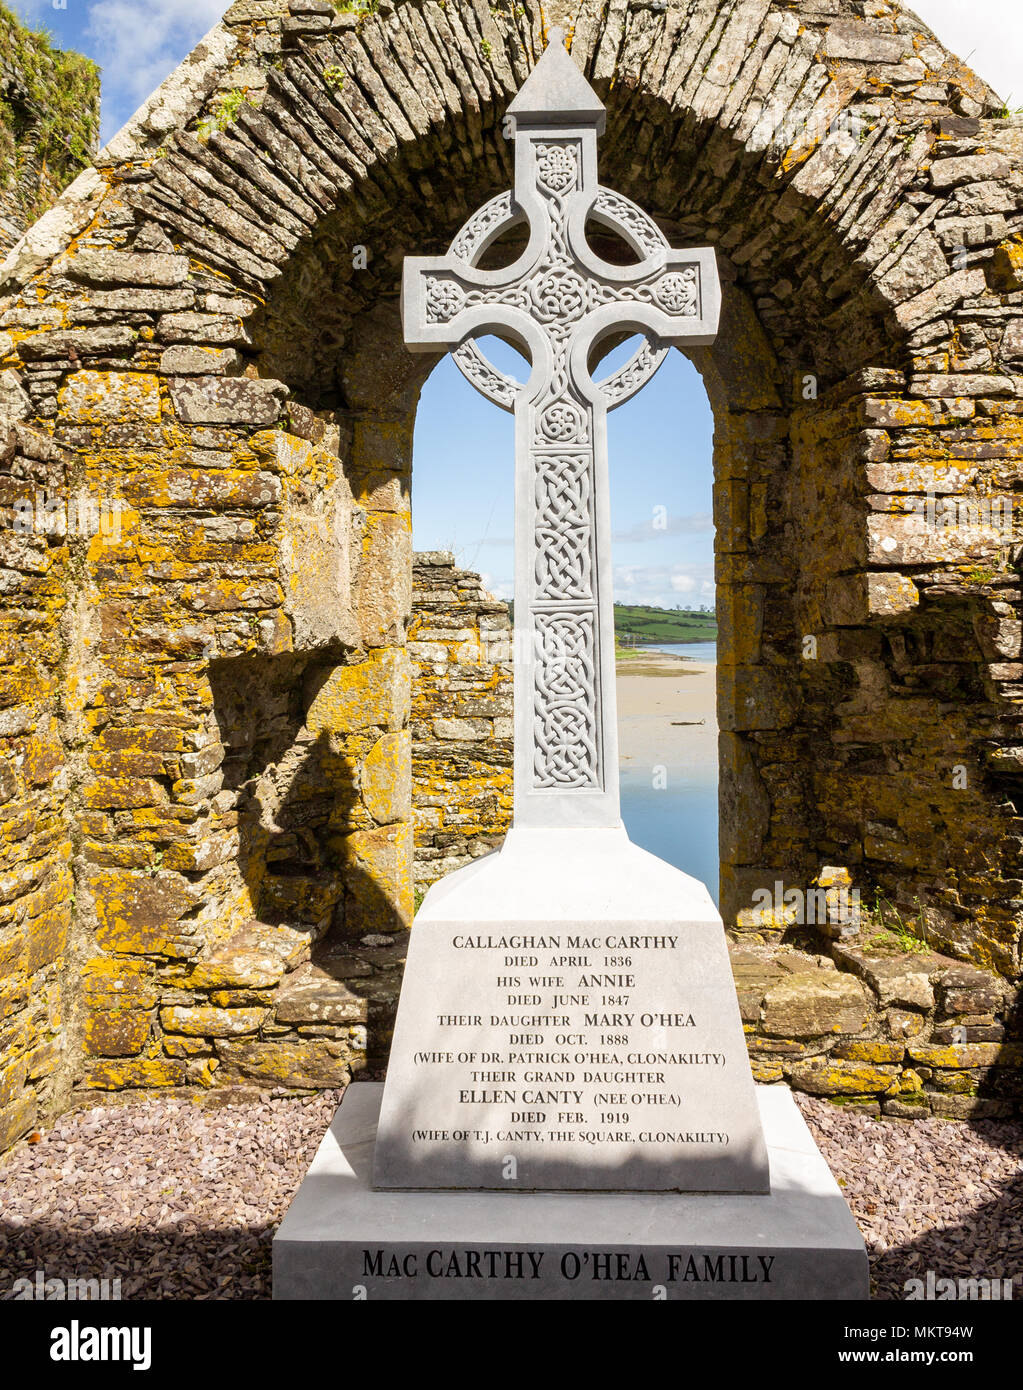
(557, 303)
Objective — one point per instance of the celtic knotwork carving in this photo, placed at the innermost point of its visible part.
(443, 300)
(677, 291)
(476, 232)
(623, 213)
(486, 378)
(565, 748)
(562, 565)
(620, 385)
(557, 166)
(563, 422)
(560, 293)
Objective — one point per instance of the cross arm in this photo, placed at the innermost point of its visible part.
(445, 304)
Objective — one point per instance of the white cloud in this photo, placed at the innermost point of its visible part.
(503, 589)
(696, 524)
(664, 586)
(141, 44)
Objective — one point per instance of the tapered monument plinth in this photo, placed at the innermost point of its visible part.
(568, 1021)
(343, 1240)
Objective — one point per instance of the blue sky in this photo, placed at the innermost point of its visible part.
(659, 463)
(659, 442)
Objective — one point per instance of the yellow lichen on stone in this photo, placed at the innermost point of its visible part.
(210, 1022)
(137, 913)
(1005, 268)
(374, 692)
(387, 778)
(107, 397)
(114, 1075)
(821, 1076)
(378, 879)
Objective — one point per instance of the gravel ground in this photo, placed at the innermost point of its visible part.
(175, 1199)
(939, 1195)
(181, 1201)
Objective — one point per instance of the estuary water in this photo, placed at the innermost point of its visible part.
(678, 821)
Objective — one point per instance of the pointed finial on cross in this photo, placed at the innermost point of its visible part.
(556, 92)
(558, 303)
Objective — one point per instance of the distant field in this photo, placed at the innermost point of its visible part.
(639, 625)
(644, 625)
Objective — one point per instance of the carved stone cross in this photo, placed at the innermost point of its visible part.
(558, 303)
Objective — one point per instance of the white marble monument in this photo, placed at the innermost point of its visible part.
(568, 1040)
(568, 1018)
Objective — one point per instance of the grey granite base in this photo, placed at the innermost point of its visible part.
(342, 1240)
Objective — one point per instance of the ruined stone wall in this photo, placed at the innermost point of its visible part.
(49, 123)
(876, 1023)
(840, 998)
(869, 647)
(460, 649)
(205, 752)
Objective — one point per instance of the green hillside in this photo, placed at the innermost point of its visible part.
(639, 625)
(642, 625)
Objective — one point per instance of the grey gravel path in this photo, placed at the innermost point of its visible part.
(938, 1195)
(181, 1201)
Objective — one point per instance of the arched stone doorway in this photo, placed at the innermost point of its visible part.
(205, 330)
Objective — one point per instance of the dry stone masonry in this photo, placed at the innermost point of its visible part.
(459, 644)
(207, 415)
(851, 1005)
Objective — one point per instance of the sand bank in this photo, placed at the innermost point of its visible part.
(666, 711)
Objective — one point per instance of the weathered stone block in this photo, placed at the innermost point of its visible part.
(379, 878)
(209, 1022)
(217, 400)
(106, 340)
(814, 1004)
(966, 990)
(858, 41)
(223, 330)
(946, 173)
(255, 958)
(955, 1107)
(311, 995)
(822, 1076)
(306, 1065)
(115, 1075)
(870, 1050)
(122, 793)
(903, 980)
(375, 692)
(103, 396)
(109, 267)
(1005, 269)
(955, 1055)
(462, 729)
(138, 914)
(386, 782)
(383, 589)
(186, 360)
(119, 1032)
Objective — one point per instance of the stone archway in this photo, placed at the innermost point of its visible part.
(203, 331)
